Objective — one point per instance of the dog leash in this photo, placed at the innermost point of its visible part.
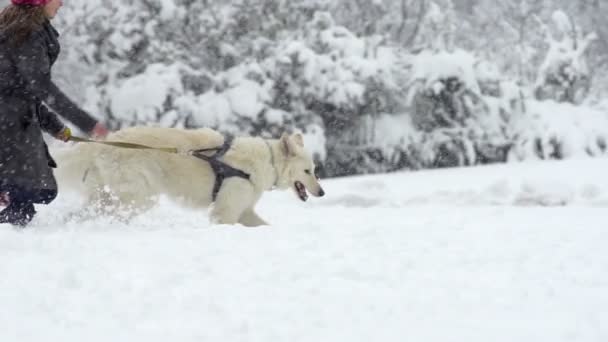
(124, 144)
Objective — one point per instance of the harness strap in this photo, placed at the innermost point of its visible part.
(219, 151)
(220, 168)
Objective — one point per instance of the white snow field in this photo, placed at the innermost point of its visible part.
(499, 253)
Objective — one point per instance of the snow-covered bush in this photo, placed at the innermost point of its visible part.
(553, 130)
(327, 84)
(349, 82)
(462, 107)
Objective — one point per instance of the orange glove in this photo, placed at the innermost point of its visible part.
(64, 135)
(99, 131)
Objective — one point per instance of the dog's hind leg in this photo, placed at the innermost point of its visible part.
(128, 193)
(251, 219)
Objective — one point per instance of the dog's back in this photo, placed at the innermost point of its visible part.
(169, 137)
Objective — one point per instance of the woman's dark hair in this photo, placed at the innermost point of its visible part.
(17, 23)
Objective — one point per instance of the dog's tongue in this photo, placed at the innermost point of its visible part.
(301, 190)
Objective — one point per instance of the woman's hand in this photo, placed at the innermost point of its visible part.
(99, 131)
(64, 135)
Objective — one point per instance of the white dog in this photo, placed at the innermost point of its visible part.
(208, 168)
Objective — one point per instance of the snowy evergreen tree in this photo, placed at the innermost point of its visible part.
(564, 75)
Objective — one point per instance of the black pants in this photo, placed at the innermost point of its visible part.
(20, 210)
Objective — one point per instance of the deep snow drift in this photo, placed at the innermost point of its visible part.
(497, 253)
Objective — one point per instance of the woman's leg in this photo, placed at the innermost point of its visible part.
(18, 213)
(20, 210)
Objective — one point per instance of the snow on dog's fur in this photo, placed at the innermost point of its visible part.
(114, 177)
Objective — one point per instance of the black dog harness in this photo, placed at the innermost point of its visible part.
(221, 169)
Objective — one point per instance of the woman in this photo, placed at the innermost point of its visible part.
(28, 101)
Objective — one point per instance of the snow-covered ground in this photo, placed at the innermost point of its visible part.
(498, 253)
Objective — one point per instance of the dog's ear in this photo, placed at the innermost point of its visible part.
(297, 137)
(286, 145)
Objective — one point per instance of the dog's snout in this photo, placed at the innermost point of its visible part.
(321, 192)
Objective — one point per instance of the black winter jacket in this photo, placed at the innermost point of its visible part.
(28, 101)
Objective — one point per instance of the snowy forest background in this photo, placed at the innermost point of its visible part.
(375, 85)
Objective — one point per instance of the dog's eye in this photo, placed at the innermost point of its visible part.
(307, 172)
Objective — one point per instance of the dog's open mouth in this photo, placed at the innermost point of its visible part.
(301, 191)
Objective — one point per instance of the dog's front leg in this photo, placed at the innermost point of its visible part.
(223, 215)
(235, 196)
(251, 219)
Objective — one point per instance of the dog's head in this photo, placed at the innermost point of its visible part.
(299, 172)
